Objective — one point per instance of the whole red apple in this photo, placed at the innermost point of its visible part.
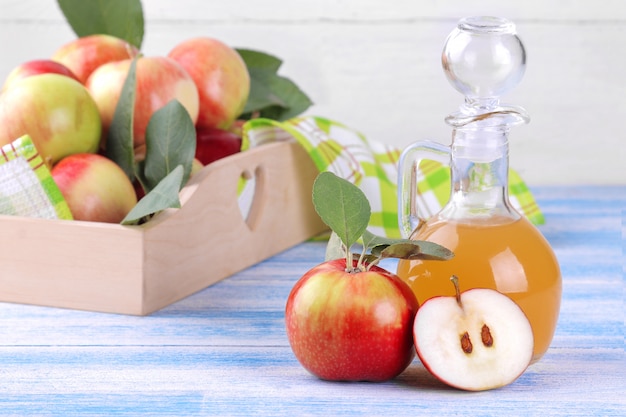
(56, 111)
(83, 55)
(221, 76)
(36, 67)
(159, 80)
(95, 188)
(351, 326)
(213, 144)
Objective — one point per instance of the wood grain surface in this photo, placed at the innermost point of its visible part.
(224, 352)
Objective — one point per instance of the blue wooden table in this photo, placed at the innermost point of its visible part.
(224, 351)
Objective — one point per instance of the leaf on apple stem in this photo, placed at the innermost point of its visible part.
(343, 207)
(414, 250)
(121, 18)
(163, 196)
(405, 248)
(346, 210)
(334, 248)
(119, 142)
(271, 95)
(170, 142)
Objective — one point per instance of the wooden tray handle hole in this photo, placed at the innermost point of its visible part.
(252, 196)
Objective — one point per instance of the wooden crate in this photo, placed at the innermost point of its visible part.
(140, 269)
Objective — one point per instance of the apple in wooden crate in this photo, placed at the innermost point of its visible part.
(84, 54)
(56, 111)
(213, 144)
(221, 77)
(36, 67)
(94, 187)
(158, 81)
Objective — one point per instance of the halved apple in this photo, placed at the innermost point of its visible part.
(478, 340)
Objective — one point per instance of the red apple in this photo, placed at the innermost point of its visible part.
(159, 80)
(83, 55)
(36, 67)
(139, 191)
(213, 144)
(352, 326)
(221, 76)
(56, 111)
(95, 188)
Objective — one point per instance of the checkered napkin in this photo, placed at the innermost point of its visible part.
(26, 185)
(373, 167)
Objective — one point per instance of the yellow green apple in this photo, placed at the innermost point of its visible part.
(94, 187)
(158, 81)
(221, 76)
(56, 111)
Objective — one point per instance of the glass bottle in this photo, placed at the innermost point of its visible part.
(494, 245)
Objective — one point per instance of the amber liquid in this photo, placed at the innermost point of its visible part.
(510, 256)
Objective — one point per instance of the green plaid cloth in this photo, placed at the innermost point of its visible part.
(26, 185)
(373, 166)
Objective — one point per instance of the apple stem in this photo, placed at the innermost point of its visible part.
(455, 282)
(349, 266)
(361, 264)
(371, 264)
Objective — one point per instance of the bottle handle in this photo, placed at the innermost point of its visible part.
(408, 216)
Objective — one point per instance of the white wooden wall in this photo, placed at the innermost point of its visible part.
(375, 66)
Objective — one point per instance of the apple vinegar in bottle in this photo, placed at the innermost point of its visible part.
(494, 246)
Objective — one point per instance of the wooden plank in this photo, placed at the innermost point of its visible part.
(267, 381)
(71, 264)
(223, 350)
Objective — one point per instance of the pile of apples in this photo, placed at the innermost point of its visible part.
(66, 105)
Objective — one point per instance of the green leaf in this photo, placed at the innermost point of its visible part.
(260, 60)
(170, 142)
(271, 95)
(384, 247)
(413, 250)
(342, 206)
(334, 248)
(368, 258)
(120, 18)
(372, 241)
(163, 196)
(262, 94)
(290, 100)
(119, 143)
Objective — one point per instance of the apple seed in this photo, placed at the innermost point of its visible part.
(466, 343)
(485, 335)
